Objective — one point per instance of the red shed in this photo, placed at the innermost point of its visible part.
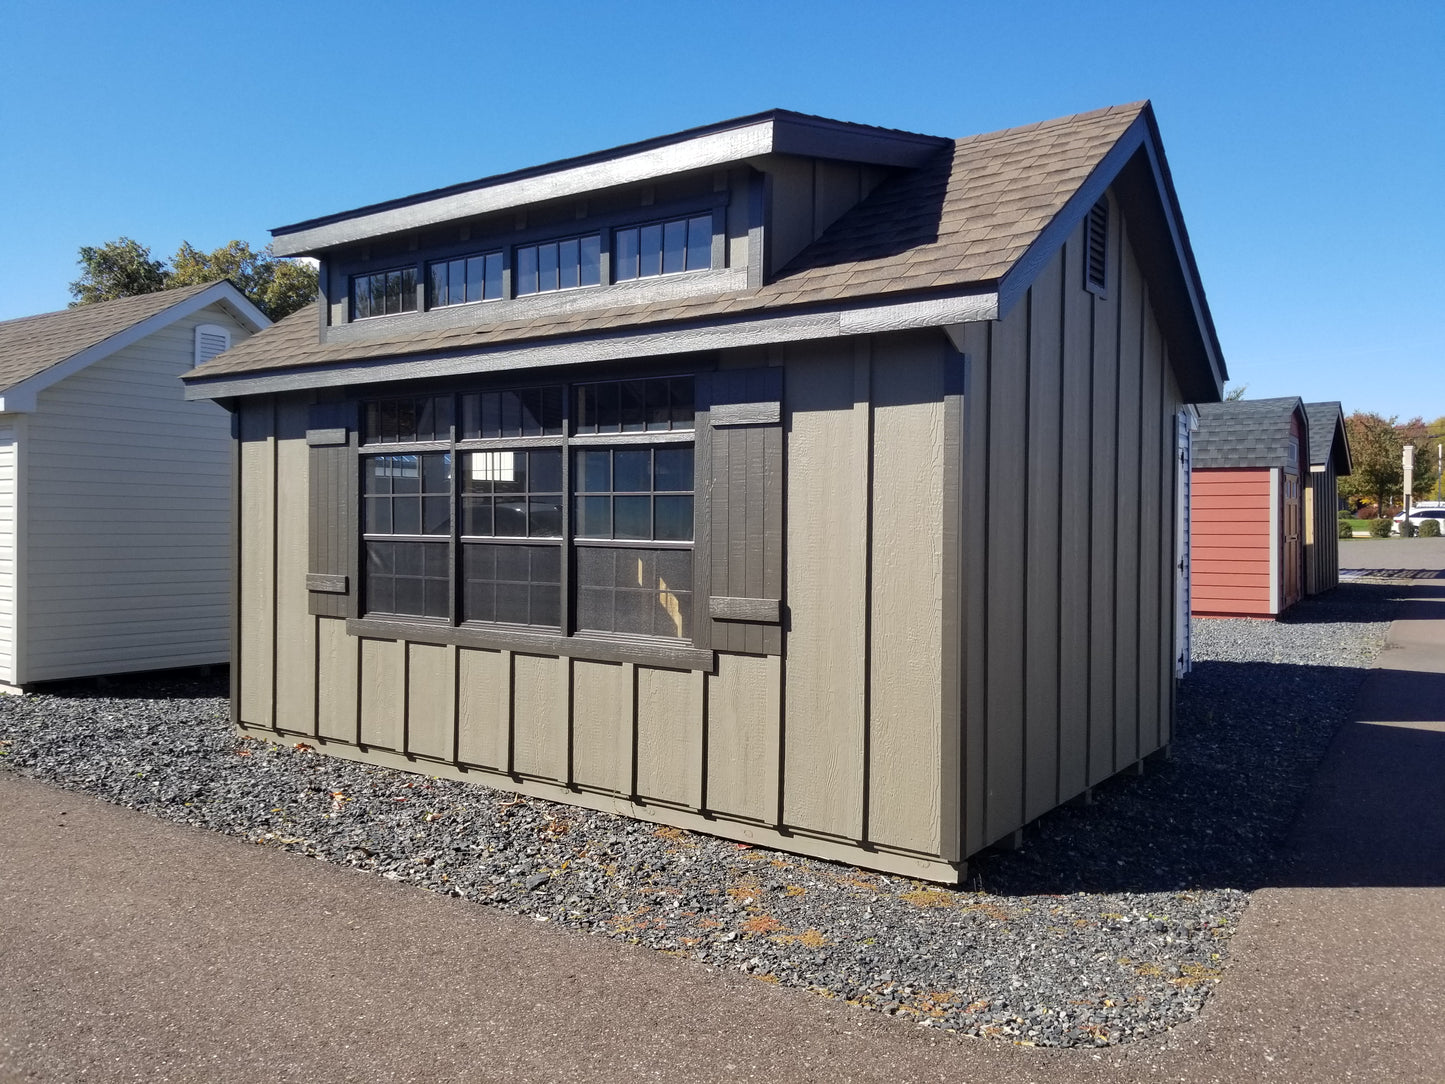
(1246, 524)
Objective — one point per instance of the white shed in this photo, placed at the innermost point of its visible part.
(114, 490)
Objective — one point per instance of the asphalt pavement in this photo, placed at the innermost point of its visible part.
(133, 949)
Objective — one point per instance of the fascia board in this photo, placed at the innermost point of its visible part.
(22, 396)
(701, 152)
(1184, 253)
(940, 312)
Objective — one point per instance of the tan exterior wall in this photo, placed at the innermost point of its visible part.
(1069, 473)
(861, 754)
(938, 689)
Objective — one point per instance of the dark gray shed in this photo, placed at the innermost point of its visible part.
(805, 483)
(1329, 459)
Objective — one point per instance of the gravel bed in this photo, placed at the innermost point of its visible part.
(1111, 923)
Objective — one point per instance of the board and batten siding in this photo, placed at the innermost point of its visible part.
(1322, 527)
(129, 520)
(939, 687)
(1230, 547)
(9, 542)
(865, 751)
(1068, 473)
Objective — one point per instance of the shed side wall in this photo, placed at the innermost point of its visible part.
(1322, 542)
(1069, 461)
(1230, 547)
(835, 743)
(128, 519)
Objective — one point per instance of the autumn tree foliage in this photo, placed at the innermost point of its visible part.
(1376, 449)
(125, 268)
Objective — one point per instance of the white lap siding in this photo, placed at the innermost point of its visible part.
(9, 496)
(128, 524)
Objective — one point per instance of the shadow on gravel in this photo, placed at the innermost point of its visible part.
(1249, 737)
(1403, 596)
(187, 684)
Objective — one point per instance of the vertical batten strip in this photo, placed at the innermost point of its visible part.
(952, 639)
(862, 394)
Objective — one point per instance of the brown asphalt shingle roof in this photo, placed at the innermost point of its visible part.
(964, 219)
(32, 344)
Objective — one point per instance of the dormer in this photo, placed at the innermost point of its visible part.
(705, 212)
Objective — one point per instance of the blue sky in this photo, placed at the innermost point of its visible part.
(1307, 141)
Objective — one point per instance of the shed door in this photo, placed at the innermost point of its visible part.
(1183, 430)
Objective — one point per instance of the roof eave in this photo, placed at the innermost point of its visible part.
(974, 304)
(727, 143)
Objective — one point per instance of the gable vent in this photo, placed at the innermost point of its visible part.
(211, 340)
(1096, 256)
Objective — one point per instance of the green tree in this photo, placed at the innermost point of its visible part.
(1376, 448)
(277, 287)
(120, 268)
(1235, 393)
(124, 268)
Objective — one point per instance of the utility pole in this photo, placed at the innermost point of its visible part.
(1409, 455)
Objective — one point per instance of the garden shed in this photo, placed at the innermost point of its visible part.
(115, 519)
(1329, 459)
(1247, 538)
(806, 483)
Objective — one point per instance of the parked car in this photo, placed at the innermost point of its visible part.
(1419, 515)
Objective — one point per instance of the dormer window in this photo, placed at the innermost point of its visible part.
(559, 265)
(466, 279)
(662, 248)
(383, 293)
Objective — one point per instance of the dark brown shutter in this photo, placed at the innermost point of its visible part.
(330, 430)
(740, 488)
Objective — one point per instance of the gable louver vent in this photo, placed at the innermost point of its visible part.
(1096, 256)
(211, 340)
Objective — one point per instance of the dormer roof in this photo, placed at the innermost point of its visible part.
(957, 234)
(778, 131)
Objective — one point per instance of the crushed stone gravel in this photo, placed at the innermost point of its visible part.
(1111, 923)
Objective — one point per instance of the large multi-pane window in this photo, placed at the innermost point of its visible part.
(645, 250)
(383, 293)
(566, 509)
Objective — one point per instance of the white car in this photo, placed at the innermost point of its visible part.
(1419, 515)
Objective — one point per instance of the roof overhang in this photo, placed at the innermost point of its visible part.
(21, 397)
(723, 144)
(940, 312)
(1135, 166)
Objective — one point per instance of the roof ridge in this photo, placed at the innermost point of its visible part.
(93, 307)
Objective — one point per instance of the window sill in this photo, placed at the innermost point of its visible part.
(680, 655)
